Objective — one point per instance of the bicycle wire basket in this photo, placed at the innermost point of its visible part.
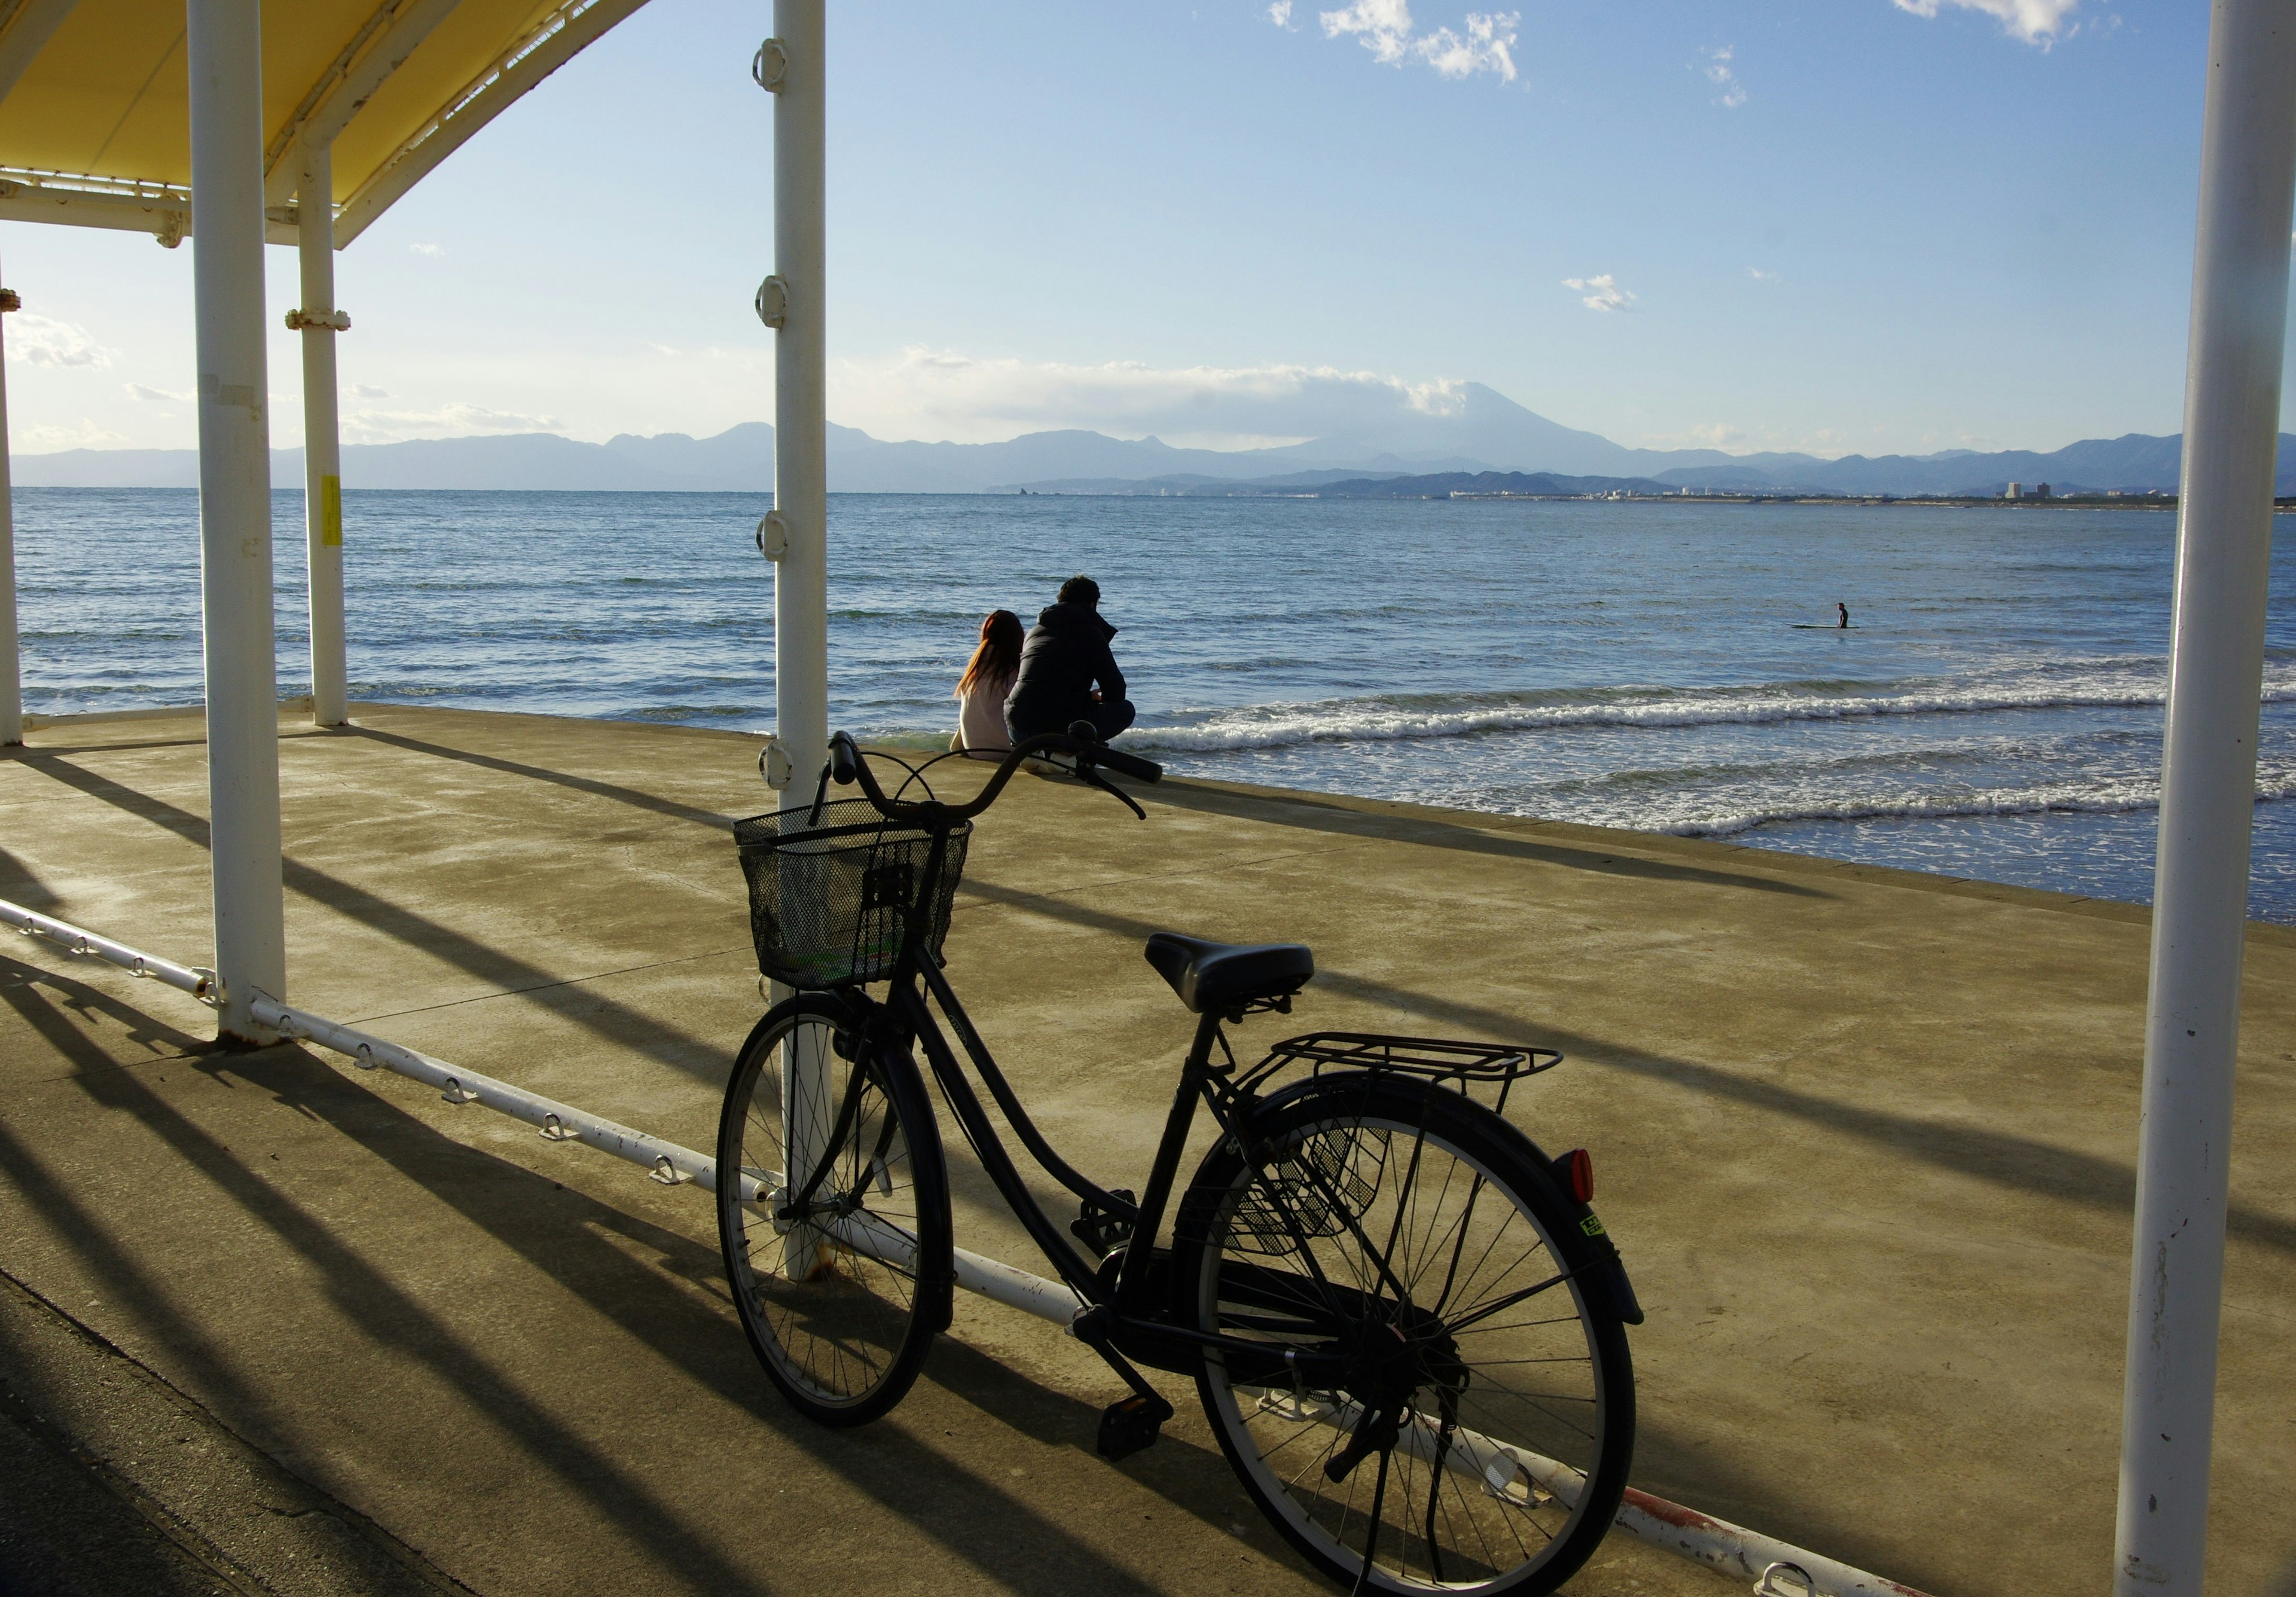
(832, 889)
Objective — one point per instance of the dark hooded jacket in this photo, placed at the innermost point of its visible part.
(1064, 656)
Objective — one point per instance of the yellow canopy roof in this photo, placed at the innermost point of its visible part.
(95, 105)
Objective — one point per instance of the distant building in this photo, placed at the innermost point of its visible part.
(2016, 490)
(2042, 492)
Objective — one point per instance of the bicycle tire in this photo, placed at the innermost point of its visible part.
(838, 1317)
(1327, 1169)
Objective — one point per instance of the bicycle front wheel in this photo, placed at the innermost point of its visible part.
(832, 1210)
(1473, 1423)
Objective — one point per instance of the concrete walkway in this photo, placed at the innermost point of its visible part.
(1865, 1139)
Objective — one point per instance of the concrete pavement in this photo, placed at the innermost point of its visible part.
(1865, 1139)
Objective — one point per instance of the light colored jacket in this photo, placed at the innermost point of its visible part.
(980, 719)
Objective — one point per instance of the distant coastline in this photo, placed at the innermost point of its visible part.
(1489, 437)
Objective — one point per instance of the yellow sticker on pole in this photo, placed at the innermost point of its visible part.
(331, 512)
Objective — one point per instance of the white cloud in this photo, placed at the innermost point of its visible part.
(1487, 46)
(2041, 22)
(1385, 28)
(42, 341)
(1759, 276)
(449, 421)
(1730, 91)
(87, 435)
(944, 394)
(151, 396)
(363, 390)
(1601, 293)
(1280, 14)
(427, 249)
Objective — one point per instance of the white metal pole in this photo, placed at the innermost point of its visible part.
(12, 684)
(223, 46)
(800, 402)
(800, 508)
(2208, 794)
(323, 468)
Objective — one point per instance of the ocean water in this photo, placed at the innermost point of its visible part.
(1995, 711)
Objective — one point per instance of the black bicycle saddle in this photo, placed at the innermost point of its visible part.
(1218, 976)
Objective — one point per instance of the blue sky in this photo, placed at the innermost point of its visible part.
(1842, 225)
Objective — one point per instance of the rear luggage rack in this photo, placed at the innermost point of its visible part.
(1453, 1064)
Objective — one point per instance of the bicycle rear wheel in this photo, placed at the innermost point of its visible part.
(1489, 1398)
(832, 1211)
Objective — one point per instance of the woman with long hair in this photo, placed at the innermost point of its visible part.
(986, 680)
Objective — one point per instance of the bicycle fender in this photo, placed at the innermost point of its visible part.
(1610, 1270)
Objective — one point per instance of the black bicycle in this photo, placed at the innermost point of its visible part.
(1406, 1323)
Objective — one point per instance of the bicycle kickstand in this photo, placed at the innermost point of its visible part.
(1129, 1425)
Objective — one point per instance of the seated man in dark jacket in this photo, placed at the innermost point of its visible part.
(1063, 659)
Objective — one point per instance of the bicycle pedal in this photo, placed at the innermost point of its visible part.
(1131, 1425)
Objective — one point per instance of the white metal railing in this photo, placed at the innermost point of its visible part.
(666, 1161)
(199, 982)
(1700, 1537)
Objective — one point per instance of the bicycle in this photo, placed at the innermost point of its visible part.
(1369, 1266)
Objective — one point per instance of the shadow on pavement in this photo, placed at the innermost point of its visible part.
(368, 1299)
(1995, 1156)
(612, 1022)
(550, 1227)
(580, 784)
(1293, 809)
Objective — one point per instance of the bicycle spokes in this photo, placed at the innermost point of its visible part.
(826, 1250)
(1471, 1402)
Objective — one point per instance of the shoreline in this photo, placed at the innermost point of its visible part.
(1584, 833)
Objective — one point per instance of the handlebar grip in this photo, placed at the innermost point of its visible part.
(1128, 764)
(844, 759)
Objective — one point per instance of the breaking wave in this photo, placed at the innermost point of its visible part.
(1388, 717)
(2120, 798)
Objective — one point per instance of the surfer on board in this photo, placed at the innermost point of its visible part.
(1844, 608)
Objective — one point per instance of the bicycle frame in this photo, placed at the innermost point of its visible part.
(1129, 1310)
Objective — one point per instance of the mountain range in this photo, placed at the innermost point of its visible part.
(1483, 431)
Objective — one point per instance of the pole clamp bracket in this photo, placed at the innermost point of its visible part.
(773, 536)
(10, 300)
(334, 321)
(773, 301)
(774, 763)
(770, 66)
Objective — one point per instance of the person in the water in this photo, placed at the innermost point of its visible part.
(1845, 613)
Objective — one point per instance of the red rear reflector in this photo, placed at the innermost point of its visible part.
(1576, 1168)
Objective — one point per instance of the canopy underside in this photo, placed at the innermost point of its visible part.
(94, 104)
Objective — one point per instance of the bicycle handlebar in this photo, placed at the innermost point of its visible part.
(1130, 764)
(847, 766)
